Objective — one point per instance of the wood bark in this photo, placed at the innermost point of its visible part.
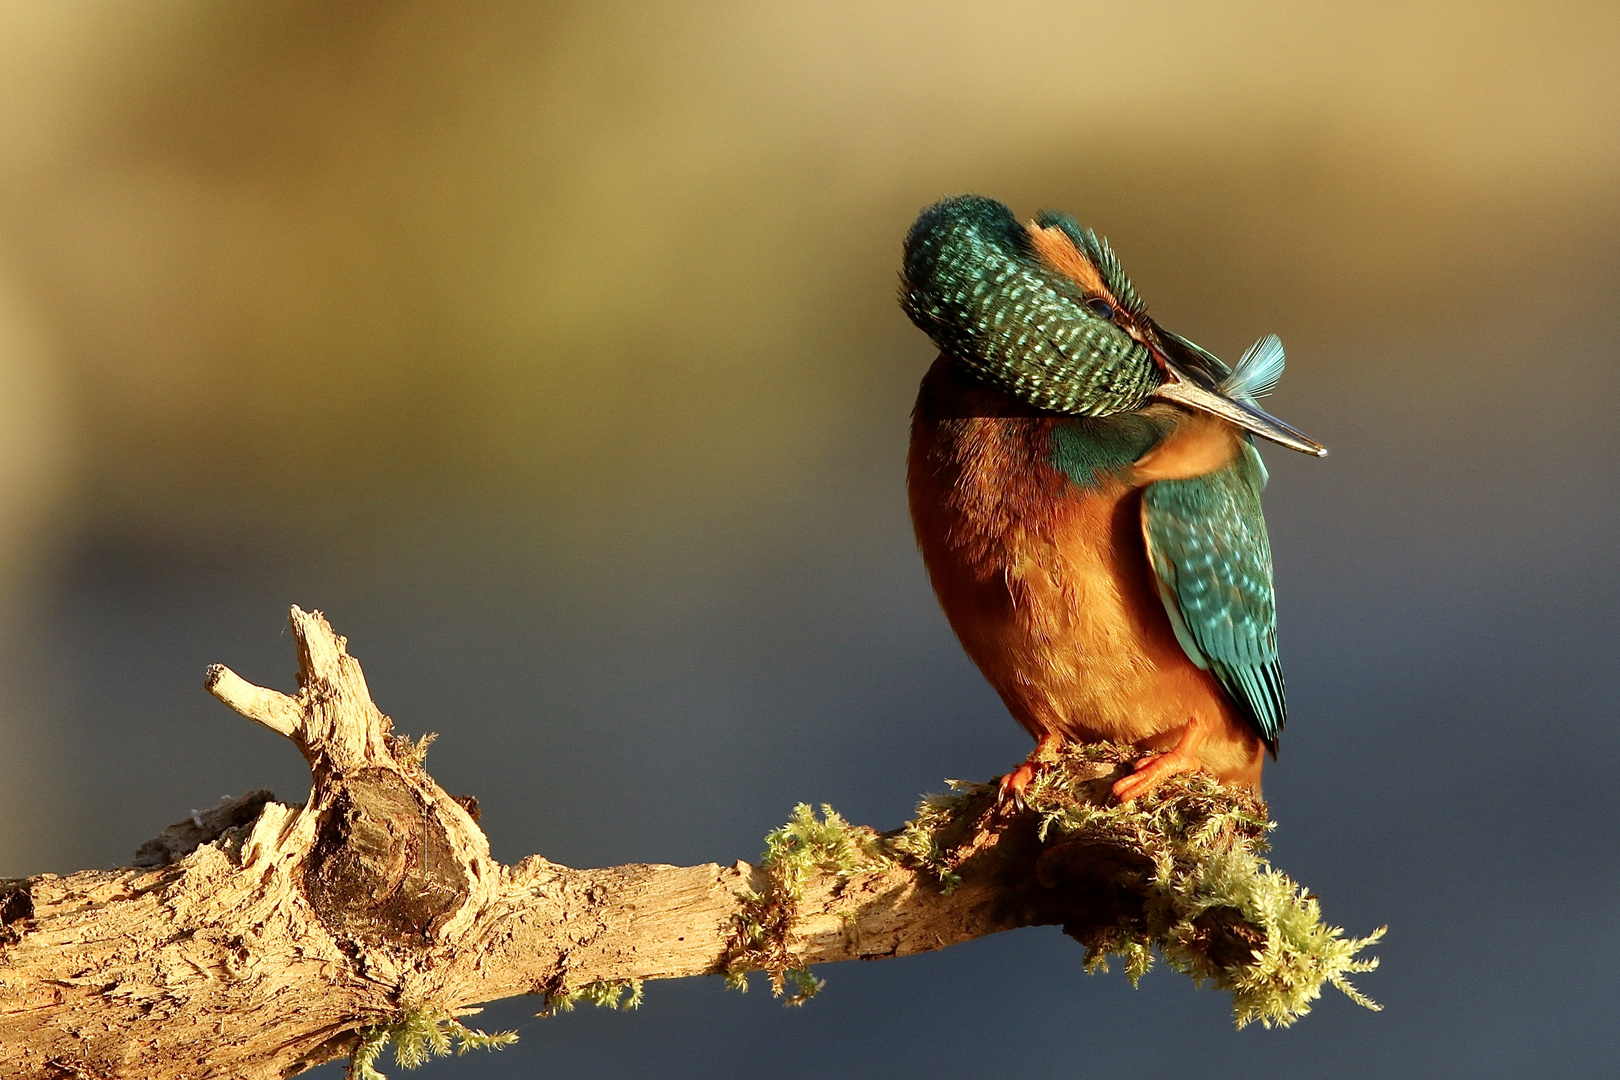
(278, 934)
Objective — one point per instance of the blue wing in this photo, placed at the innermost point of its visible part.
(1207, 542)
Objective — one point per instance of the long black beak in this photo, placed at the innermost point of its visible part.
(1188, 384)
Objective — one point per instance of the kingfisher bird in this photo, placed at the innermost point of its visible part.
(1086, 495)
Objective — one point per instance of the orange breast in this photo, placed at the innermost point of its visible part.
(1048, 585)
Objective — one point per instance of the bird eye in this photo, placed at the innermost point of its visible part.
(1101, 308)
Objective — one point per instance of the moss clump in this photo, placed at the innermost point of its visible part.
(804, 846)
(1208, 888)
(620, 994)
(418, 1035)
(918, 841)
(1210, 903)
(408, 753)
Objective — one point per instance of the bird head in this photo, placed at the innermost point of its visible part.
(1045, 312)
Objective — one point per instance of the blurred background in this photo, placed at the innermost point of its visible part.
(552, 350)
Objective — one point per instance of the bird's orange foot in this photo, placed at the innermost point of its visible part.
(1153, 771)
(1186, 756)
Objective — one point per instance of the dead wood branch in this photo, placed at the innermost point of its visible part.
(283, 940)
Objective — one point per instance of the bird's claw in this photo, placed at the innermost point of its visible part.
(1010, 792)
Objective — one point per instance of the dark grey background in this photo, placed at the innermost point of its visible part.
(551, 350)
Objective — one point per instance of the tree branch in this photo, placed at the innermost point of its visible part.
(262, 939)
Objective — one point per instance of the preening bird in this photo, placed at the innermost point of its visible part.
(1086, 495)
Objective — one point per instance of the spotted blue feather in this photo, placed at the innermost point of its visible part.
(973, 283)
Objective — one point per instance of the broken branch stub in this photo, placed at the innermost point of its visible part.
(393, 858)
(332, 718)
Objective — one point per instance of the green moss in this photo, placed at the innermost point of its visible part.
(620, 994)
(1205, 844)
(418, 1035)
(918, 841)
(804, 846)
(1213, 907)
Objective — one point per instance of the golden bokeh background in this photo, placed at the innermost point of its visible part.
(560, 339)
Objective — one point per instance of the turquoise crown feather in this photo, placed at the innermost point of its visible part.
(974, 284)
